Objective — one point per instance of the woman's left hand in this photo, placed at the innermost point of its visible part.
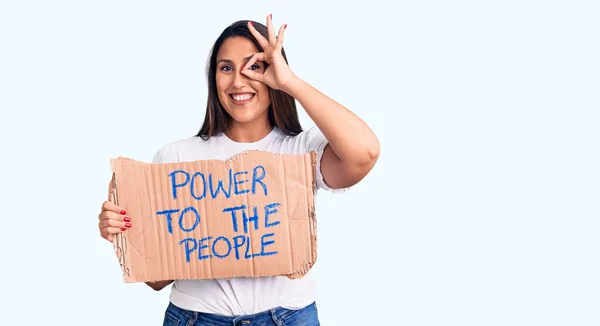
(278, 75)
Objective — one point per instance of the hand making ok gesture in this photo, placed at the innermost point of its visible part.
(278, 75)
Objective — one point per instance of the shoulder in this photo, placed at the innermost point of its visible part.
(311, 139)
(174, 151)
(313, 136)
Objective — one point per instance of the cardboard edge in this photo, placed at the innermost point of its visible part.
(307, 266)
(114, 163)
(119, 240)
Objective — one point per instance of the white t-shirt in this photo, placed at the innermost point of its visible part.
(242, 296)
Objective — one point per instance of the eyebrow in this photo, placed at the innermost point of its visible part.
(229, 61)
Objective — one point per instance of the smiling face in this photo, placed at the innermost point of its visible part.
(246, 100)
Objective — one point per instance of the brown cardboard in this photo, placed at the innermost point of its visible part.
(151, 251)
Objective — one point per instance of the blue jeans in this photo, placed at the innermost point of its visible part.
(307, 316)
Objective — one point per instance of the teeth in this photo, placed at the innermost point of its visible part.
(242, 97)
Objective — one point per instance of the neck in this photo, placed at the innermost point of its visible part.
(248, 132)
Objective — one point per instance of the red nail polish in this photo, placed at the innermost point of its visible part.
(271, 16)
(127, 219)
(127, 225)
(123, 212)
(123, 229)
(251, 24)
(285, 26)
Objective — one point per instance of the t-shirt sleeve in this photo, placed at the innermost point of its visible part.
(166, 154)
(316, 141)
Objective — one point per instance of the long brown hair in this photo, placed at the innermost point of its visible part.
(282, 111)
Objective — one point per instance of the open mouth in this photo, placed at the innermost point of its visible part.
(241, 98)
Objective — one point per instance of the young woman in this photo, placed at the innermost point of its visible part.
(251, 107)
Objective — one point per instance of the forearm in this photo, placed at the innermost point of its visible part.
(351, 139)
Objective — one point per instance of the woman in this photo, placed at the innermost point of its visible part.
(251, 106)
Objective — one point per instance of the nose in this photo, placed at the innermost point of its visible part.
(239, 80)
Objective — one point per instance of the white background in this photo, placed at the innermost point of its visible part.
(482, 210)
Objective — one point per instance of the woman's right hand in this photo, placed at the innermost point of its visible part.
(113, 220)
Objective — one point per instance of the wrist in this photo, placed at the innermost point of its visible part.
(292, 86)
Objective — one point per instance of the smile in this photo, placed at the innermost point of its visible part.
(241, 98)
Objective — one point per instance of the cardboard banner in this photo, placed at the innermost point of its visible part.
(249, 216)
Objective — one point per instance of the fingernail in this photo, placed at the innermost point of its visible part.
(123, 229)
(251, 24)
(123, 212)
(271, 15)
(127, 225)
(285, 26)
(127, 219)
